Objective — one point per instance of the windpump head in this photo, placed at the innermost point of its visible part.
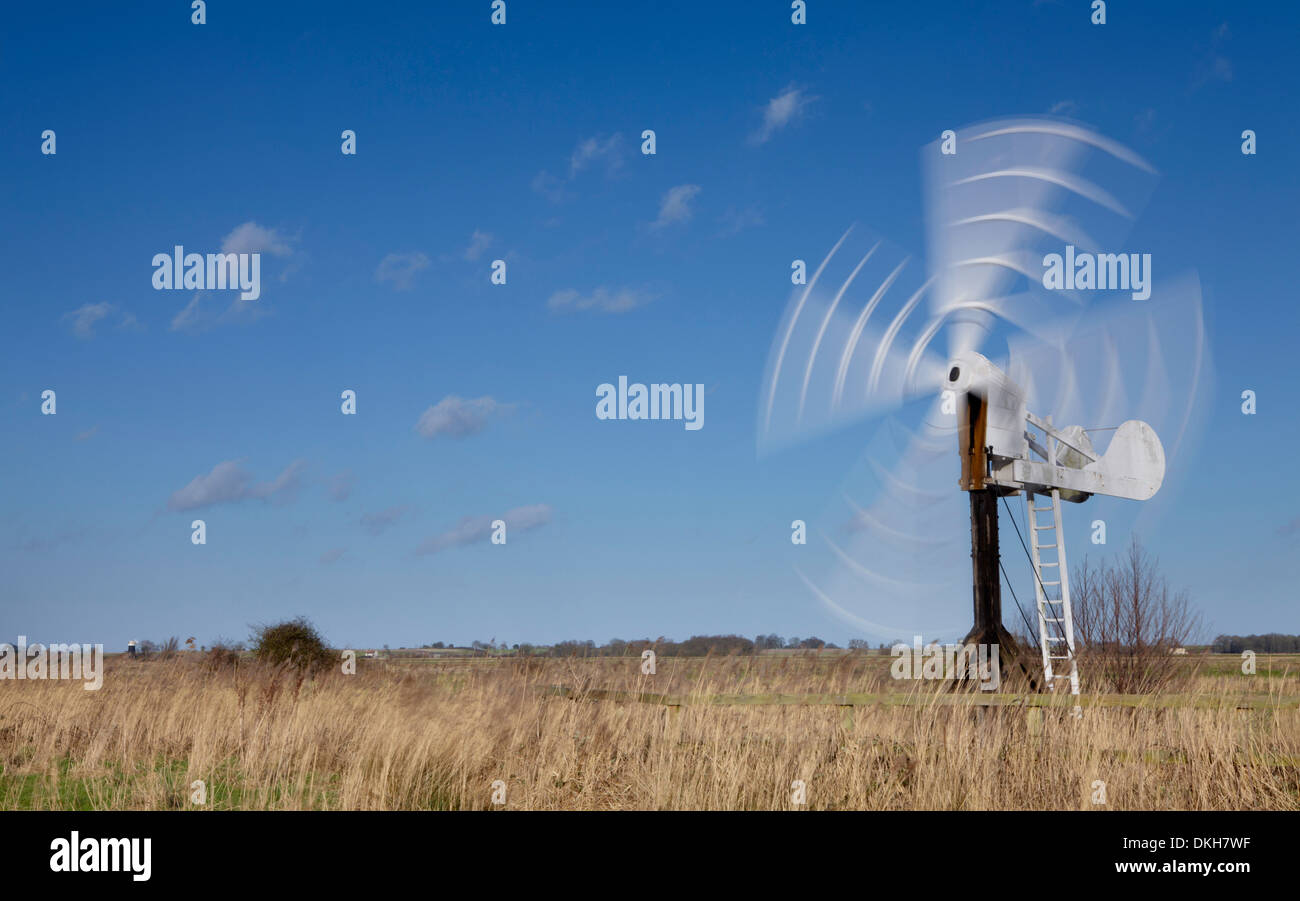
(995, 448)
(990, 416)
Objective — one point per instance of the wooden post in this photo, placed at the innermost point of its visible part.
(986, 584)
(846, 717)
(986, 581)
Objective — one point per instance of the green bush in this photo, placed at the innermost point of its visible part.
(293, 643)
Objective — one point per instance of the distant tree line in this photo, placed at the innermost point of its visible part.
(695, 646)
(1272, 643)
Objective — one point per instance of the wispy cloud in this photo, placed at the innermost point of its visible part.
(478, 243)
(340, 485)
(781, 110)
(192, 317)
(1145, 123)
(456, 417)
(601, 300)
(475, 529)
(1214, 65)
(196, 317)
(595, 151)
(603, 151)
(676, 205)
(229, 483)
(550, 187)
(400, 269)
(735, 221)
(1063, 108)
(379, 522)
(85, 317)
(50, 542)
(88, 433)
(332, 555)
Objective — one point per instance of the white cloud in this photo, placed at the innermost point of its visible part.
(253, 238)
(400, 269)
(456, 417)
(602, 300)
(228, 483)
(676, 205)
(474, 529)
(780, 111)
(478, 242)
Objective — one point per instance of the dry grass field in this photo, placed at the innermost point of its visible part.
(438, 734)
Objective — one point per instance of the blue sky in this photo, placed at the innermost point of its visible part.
(522, 142)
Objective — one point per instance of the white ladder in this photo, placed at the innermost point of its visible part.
(1055, 619)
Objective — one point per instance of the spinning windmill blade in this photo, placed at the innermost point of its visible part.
(978, 338)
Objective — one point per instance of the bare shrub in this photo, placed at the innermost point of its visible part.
(224, 654)
(1127, 623)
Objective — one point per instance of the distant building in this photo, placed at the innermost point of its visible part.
(130, 648)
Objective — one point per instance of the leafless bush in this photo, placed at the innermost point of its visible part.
(1127, 623)
(224, 654)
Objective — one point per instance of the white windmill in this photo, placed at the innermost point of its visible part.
(998, 439)
(1016, 191)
